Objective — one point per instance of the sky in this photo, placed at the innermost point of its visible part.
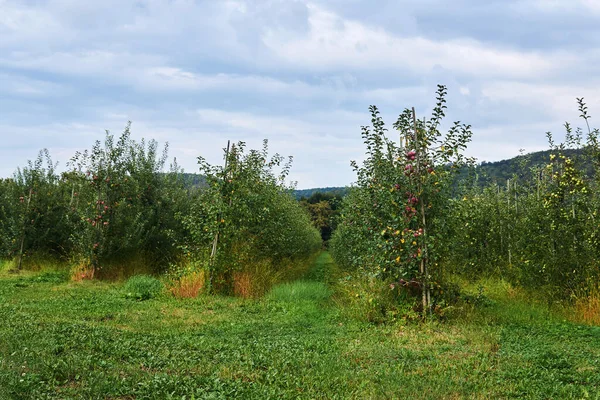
(302, 74)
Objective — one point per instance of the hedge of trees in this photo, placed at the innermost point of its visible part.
(409, 223)
(413, 218)
(116, 205)
(541, 228)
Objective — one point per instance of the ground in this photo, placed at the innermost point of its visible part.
(64, 340)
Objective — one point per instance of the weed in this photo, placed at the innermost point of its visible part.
(82, 271)
(142, 287)
(242, 284)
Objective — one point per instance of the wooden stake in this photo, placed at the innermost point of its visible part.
(516, 199)
(539, 180)
(423, 267)
(72, 196)
(213, 252)
(97, 233)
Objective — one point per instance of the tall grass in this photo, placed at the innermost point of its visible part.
(256, 278)
(188, 286)
(142, 287)
(586, 307)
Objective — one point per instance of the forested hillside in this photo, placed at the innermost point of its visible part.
(521, 166)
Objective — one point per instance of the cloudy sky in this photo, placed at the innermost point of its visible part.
(196, 73)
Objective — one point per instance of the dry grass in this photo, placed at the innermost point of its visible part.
(125, 268)
(82, 272)
(587, 309)
(242, 285)
(189, 286)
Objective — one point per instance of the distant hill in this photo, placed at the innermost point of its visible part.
(193, 180)
(306, 193)
(196, 181)
(487, 173)
(499, 171)
(496, 172)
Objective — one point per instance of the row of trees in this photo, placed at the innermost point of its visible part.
(409, 222)
(115, 205)
(406, 223)
(541, 229)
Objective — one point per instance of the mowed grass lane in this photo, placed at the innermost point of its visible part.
(62, 340)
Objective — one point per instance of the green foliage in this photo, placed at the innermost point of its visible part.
(328, 191)
(249, 210)
(51, 277)
(540, 230)
(393, 224)
(323, 208)
(11, 222)
(114, 204)
(116, 209)
(34, 214)
(142, 287)
(122, 202)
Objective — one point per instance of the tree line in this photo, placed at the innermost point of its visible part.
(116, 206)
(420, 214)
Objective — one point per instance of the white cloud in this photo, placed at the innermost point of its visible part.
(177, 79)
(561, 6)
(86, 63)
(27, 87)
(592, 5)
(556, 100)
(20, 24)
(196, 73)
(334, 43)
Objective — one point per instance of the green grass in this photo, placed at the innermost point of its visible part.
(142, 287)
(313, 288)
(61, 340)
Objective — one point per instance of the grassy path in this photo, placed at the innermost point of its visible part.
(60, 340)
(313, 287)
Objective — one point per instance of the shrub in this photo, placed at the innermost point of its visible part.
(52, 277)
(142, 287)
(540, 230)
(82, 271)
(34, 212)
